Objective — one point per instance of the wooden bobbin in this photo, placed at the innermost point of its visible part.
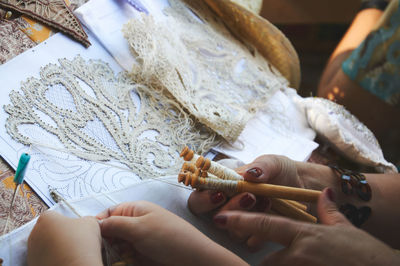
(203, 174)
(203, 163)
(188, 178)
(191, 167)
(217, 169)
(187, 154)
(289, 210)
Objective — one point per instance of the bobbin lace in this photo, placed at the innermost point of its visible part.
(99, 116)
(193, 56)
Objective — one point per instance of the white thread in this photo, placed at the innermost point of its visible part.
(229, 186)
(224, 172)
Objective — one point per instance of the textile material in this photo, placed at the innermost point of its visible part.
(53, 13)
(12, 40)
(190, 54)
(27, 204)
(375, 64)
(36, 31)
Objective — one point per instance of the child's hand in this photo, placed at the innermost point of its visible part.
(157, 236)
(59, 240)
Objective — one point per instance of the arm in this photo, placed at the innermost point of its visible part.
(280, 170)
(333, 242)
(385, 218)
(362, 25)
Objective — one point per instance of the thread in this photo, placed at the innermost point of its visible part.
(217, 169)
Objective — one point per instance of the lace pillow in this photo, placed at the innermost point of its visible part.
(339, 127)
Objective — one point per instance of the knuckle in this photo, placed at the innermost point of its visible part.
(263, 223)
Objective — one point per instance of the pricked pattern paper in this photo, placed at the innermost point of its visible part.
(104, 131)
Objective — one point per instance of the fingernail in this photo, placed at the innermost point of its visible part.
(255, 172)
(331, 195)
(217, 197)
(246, 201)
(220, 219)
(262, 205)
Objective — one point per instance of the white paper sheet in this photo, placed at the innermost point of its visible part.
(105, 19)
(13, 246)
(279, 129)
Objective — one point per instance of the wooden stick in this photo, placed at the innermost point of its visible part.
(287, 209)
(258, 189)
(298, 205)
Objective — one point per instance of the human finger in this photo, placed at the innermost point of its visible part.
(242, 202)
(267, 227)
(132, 209)
(122, 227)
(204, 201)
(269, 168)
(328, 212)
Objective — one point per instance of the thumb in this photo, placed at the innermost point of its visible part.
(122, 227)
(327, 210)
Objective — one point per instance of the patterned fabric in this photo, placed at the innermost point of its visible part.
(12, 40)
(375, 64)
(27, 204)
(36, 31)
(54, 13)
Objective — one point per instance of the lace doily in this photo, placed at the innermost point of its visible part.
(195, 58)
(99, 116)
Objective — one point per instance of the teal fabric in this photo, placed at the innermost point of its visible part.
(375, 64)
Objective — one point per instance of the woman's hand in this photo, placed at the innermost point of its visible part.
(272, 169)
(340, 243)
(154, 235)
(59, 240)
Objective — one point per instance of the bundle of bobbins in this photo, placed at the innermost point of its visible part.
(202, 173)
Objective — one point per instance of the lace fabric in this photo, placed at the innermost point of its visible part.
(99, 116)
(12, 40)
(195, 58)
(54, 13)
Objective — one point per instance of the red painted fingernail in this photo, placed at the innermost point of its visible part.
(262, 205)
(246, 201)
(255, 172)
(216, 197)
(331, 195)
(220, 219)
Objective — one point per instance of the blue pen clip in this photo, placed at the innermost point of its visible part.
(21, 169)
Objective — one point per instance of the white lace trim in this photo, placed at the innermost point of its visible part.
(97, 115)
(193, 56)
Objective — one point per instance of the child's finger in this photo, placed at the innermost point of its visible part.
(122, 227)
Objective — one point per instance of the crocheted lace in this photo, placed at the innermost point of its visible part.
(193, 56)
(99, 116)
